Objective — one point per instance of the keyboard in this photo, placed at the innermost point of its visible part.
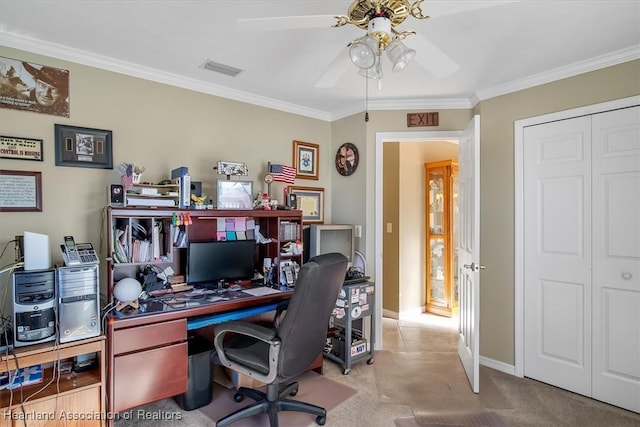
(356, 280)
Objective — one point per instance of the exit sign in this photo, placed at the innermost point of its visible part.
(422, 119)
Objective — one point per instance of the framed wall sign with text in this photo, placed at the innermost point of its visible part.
(310, 200)
(20, 191)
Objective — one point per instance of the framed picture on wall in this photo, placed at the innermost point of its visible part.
(305, 159)
(310, 200)
(20, 191)
(34, 87)
(83, 147)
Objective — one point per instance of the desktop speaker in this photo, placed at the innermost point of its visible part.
(196, 188)
(116, 195)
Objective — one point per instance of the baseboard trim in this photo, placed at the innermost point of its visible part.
(497, 365)
(390, 314)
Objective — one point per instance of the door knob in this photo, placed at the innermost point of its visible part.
(474, 267)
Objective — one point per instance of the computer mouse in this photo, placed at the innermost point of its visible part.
(235, 287)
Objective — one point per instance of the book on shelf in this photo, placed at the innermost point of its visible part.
(120, 246)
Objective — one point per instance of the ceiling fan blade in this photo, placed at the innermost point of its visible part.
(444, 8)
(286, 22)
(336, 69)
(430, 57)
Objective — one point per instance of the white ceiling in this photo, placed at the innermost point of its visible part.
(500, 46)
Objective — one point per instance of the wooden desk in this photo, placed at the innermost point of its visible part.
(147, 353)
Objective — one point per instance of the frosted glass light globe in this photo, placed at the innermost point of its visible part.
(127, 289)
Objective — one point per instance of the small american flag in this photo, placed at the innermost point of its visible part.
(282, 173)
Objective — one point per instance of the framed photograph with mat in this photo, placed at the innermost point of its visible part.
(310, 200)
(83, 147)
(305, 159)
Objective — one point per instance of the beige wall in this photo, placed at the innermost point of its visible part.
(159, 126)
(164, 127)
(348, 206)
(391, 240)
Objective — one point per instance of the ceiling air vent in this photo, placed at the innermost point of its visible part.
(221, 68)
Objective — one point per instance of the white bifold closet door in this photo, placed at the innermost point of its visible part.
(582, 255)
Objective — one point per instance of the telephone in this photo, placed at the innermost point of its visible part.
(77, 254)
(288, 272)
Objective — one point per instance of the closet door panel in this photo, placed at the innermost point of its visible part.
(557, 253)
(616, 257)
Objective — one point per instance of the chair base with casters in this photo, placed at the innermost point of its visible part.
(272, 402)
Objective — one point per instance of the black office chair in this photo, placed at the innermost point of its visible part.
(275, 355)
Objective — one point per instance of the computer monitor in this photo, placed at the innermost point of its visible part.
(212, 261)
(326, 238)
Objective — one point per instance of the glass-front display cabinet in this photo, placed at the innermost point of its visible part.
(442, 237)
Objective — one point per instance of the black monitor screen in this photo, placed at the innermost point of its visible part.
(210, 262)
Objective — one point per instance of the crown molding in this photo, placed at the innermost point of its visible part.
(580, 67)
(106, 63)
(405, 104)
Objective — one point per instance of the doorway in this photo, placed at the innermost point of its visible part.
(446, 137)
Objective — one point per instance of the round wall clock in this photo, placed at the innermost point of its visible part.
(347, 159)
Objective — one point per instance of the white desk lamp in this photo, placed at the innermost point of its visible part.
(127, 292)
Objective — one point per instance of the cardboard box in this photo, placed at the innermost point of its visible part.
(240, 380)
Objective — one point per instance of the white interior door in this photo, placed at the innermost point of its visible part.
(557, 253)
(469, 251)
(616, 257)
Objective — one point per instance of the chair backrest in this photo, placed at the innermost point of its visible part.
(303, 330)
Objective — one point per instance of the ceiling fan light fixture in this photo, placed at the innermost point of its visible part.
(380, 28)
(374, 72)
(363, 52)
(399, 55)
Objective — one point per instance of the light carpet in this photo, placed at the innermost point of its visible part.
(479, 419)
(313, 388)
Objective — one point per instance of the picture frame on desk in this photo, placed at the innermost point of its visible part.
(234, 195)
(83, 147)
(310, 200)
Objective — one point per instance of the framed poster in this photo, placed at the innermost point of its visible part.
(305, 159)
(20, 191)
(310, 201)
(13, 147)
(34, 87)
(83, 147)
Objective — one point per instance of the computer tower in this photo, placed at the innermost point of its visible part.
(34, 306)
(78, 302)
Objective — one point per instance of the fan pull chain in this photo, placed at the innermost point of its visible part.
(366, 97)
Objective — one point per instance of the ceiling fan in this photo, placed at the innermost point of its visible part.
(380, 18)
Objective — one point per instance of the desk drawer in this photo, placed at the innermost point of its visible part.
(143, 337)
(151, 375)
